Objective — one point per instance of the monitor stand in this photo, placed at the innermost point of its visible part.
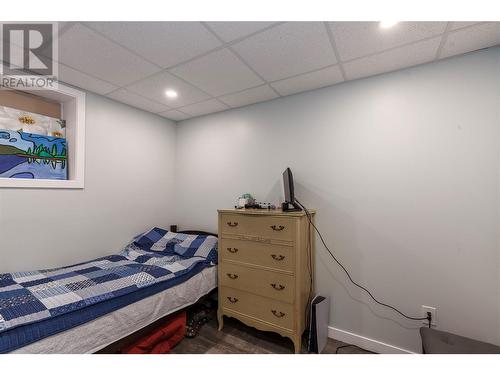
(285, 207)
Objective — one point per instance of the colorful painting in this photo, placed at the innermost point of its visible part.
(27, 155)
(29, 122)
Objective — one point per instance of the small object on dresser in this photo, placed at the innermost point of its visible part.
(245, 200)
(261, 206)
(267, 206)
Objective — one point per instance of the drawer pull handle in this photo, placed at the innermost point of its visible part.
(232, 250)
(278, 257)
(278, 314)
(232, 299)
(232, 223)
(278, 286)
(232, 276)
(277, 228)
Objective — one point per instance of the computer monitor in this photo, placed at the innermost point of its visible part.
(289, 192)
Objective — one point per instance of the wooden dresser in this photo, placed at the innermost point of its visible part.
(264, 270)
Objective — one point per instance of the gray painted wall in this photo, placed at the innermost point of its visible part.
(123, 195)
(403, 169)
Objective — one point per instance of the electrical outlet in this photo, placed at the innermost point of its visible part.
(433, 311)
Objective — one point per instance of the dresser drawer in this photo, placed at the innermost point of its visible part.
(265, 283)
(273, 256)
(258, 307)
(280, 228)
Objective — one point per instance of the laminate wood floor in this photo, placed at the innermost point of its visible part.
(237, 338)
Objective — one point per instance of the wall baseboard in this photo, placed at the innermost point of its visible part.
(365, 342)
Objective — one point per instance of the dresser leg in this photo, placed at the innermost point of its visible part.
(220, 319)
(297, 344)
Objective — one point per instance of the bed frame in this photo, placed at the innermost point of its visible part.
(173, 228)
(117, 346)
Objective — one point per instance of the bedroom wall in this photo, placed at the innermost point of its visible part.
(128, 188)
(403, 169)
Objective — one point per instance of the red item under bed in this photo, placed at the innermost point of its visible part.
(162, 339)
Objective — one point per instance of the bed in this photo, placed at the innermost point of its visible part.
(158, 273)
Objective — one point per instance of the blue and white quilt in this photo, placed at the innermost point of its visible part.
(152, 258)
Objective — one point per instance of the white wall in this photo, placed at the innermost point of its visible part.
(128, 187)
(403, 169)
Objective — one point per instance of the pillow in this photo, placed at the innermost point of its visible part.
(185, 245)
(156, 239)
(193, 245)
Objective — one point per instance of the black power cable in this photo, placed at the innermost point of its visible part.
(308, 214)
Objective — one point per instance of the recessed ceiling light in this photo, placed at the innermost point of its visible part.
(387, 24)
(172, 94)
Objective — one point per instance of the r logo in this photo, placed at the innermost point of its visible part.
(27, 49)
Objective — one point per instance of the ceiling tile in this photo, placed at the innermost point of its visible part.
(357, 39)
(250, 96)
(309, 81)
(89, 52)
(288, 49)
(84, 81)
(63, 26)
(154, 88)
(460, 25)
(138, 101)
(163, 43)
(174, 115)
(471, 39)
(294, 56)
(399, 58)
(203, 108)
(218, 73)
(229, 31)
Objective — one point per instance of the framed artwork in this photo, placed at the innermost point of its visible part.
(32, 146)
(29, 122)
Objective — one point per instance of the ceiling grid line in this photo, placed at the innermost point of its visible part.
(129, 50)
(409, 44)
(305, 73)
(85, 24)
(220, 96)
(63, 30)
(444, 38)
(253, 70)
(93, 76)
(194, 103)
(224, 44)
(243, 90)
(168, 69)
(335, 50)
(240, 58)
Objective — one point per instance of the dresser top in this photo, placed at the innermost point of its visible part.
(265, 211)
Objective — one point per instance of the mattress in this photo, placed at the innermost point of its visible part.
(103, 331)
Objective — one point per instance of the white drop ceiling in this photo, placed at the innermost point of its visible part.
(215, 66)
